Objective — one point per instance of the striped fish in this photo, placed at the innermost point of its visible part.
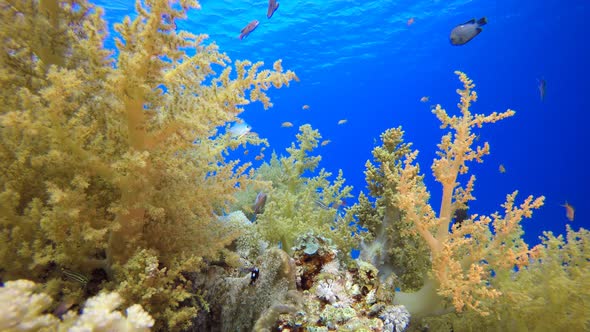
(75, 276)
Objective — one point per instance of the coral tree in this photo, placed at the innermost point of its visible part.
(299, 202)
(481, 271)
(112, 163)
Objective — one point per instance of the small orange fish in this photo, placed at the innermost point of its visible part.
(343, 121)
(410, 21)
(305, 107)
(502, 169)
(259, 157)
(425, 99)
(325, 142)
(569, 211)
(286, 124)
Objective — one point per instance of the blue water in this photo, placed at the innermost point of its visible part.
(360, 61)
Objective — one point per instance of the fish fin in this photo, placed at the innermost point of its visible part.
(479, 29)
(471, 21)
(482, 21)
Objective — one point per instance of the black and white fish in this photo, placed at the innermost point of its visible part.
(463, 33)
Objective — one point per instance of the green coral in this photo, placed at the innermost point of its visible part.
(299, 203)
(390, 244)
(552, 292)
(97, 149)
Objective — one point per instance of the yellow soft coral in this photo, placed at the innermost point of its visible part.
(106, 156)
(464, 257)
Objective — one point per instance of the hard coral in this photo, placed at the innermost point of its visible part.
(24, 312)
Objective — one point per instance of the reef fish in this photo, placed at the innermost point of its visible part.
(461, 214)
(237, 130)
(343, 121)
(273, 5)
(286, 124)
(463, 33)
(248, 29)
(542, 88)
(75, 276)
(259, 203)
(569, 211)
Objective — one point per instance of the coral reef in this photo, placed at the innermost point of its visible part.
(337, 296)
(23, 311)
(112, 161)
(551, 293)
(479, 271)
(238, 302)
(390, 244)
(299, 203)
(460, 278)
(117, 186)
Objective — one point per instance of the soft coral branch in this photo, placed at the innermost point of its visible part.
(464, 258)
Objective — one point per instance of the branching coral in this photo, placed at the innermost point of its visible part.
(390, 244)
(98, 149)
(464, 258)
(299, 204)
(551, 293)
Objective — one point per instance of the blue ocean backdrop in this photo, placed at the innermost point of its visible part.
(371, 63)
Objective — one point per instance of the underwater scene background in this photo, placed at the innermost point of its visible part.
(150, 182)
(361, 61)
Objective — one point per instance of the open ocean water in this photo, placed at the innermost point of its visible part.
(362, 61)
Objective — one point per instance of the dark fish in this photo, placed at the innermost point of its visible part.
(463, 33)
(542, 88)
(248, 29)
(259, 203)
(273, 5)
(254, 275)
(461, 215)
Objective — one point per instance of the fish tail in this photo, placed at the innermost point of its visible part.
(482, 21)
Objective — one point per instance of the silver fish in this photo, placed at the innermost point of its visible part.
(248, 29)
(273, 5)
(463, 33)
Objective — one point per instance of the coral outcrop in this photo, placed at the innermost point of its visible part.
(113, 162)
